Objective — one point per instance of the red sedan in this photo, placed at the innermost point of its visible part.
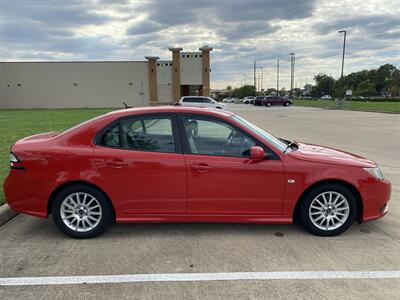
(178, 164)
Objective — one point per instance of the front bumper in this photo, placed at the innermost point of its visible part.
(376, 196)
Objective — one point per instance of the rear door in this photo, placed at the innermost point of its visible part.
(140, 158)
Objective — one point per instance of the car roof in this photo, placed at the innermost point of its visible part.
(171, 109)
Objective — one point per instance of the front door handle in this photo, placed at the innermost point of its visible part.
(201, 167)
(116, 163)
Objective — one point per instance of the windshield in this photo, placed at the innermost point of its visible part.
(267, 136)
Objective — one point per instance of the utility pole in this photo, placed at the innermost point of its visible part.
(292, 64)
(262, 78)
(245, 79)
(255, 80)
(277, 79)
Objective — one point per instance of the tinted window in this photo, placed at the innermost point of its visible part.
(111, 137)
(148, 134)
(145, 134)
(193, 100)
(212, 137)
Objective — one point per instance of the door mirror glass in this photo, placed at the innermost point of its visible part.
(257, 153)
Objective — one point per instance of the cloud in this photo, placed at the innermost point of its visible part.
(239, 31)
(143, 27)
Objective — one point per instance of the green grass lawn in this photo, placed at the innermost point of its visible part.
(16, 124)
(393, 107)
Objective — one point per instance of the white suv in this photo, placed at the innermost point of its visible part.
(201, 101)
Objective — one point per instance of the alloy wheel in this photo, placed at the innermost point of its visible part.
(329, 210)
(80, 212)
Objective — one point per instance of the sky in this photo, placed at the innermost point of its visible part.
(240, 31)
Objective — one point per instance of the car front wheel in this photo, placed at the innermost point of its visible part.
(268, 104)
(81, 211)
(328, 210)
(287, 103)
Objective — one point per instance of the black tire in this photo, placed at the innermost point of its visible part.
(304, 208)
(268, 104)
(106, 216)
(219, 107)
(287, 103)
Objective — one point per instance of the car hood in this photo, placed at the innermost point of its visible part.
(321, 154)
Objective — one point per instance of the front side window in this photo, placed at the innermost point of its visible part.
(141, 133)
(212, 137)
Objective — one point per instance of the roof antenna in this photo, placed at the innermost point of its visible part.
(126, 105)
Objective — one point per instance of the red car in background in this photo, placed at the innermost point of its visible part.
(276, 100)
(181, 164)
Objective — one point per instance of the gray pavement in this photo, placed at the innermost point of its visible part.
(33, 247)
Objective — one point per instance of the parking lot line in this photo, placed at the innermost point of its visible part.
(312, 275)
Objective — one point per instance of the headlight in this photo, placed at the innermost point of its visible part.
(376, 172)
(13, 158)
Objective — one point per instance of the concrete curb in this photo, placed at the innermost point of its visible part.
(6, 214)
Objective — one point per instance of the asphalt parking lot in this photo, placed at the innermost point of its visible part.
(32, 247)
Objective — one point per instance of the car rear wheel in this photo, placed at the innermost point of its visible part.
(328, 210)
(81, 211)
(268, 104)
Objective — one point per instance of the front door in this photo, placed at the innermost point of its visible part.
(139, 159)
(221, 178)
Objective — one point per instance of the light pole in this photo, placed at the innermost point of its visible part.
(277, 79)
(344, 49)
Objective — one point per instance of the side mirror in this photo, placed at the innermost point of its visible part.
(257, 153)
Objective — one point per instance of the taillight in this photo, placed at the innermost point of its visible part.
(15, 163)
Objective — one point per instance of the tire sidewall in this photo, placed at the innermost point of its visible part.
(309, 197)
(106, 217)
(268, 104)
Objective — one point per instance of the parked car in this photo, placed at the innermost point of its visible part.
(276, 100)
(201, 101)
(227, 100)
(186, 164)
(258, 101)
(248, 99)
(326, 97)
(236, 100)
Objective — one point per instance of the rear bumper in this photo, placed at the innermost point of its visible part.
(375, 197)
(25, 194)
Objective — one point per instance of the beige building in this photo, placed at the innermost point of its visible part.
(105, 83)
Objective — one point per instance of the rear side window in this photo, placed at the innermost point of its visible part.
(143, 133)
(111, 137)
(192, 100)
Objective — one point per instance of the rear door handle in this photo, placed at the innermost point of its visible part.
(201, 167)
(117, 163)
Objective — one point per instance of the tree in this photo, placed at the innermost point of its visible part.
(243, 91)
(271, 92)
(324, 85)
